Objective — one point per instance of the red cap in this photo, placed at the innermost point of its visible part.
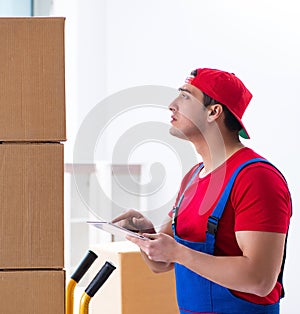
(224, 87)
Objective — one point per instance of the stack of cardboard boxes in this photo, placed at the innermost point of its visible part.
(32, 126)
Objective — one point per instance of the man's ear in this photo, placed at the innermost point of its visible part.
(214, 112)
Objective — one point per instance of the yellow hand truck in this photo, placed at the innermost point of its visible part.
(92, 288)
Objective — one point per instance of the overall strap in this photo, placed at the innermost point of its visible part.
(213, 220)
(196, 172)
(176, 208)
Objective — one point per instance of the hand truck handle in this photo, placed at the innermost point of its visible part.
(84, 266)
(95, 285)
(76, 277)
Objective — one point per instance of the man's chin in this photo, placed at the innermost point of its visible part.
(177, 133)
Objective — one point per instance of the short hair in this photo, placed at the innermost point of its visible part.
(230, 120)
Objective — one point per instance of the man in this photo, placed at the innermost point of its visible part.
(226, 239)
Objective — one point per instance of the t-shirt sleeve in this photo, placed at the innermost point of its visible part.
(261, 200)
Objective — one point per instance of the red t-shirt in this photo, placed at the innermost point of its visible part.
(259, 201)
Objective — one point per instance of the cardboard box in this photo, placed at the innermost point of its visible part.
(32, 79)
(32, 292)
(132, 288)
(31, 202)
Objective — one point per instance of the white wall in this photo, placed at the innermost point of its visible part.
(116, 44)
(15, 8)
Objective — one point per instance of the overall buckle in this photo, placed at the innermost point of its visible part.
(212, 225)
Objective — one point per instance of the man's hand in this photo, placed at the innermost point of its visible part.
(135, 221)
(159, 248)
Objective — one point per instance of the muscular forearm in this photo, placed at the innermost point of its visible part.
(254, 273)
(235, 273)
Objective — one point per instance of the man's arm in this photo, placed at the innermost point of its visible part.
(255, 272)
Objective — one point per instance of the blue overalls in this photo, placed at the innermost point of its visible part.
(196, 294)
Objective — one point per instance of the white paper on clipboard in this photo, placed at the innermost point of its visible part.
(115, 229)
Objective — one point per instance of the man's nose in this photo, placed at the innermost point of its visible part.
(173, 105)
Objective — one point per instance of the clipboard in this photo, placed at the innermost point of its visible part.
(115, 229)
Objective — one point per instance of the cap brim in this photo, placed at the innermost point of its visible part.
(244, 134)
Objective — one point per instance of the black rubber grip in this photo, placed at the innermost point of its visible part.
(100, 279)
(84, 266)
